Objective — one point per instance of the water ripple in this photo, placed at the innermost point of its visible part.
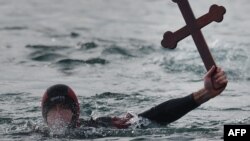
(117, 50)
(47, 57)
(76, 62)
(14, 28)
(47, 47)
(87, 45)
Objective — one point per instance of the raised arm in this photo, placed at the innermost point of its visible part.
(174, 109)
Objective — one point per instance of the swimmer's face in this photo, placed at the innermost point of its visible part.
(59, 116)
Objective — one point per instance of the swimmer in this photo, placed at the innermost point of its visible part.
(60, 106)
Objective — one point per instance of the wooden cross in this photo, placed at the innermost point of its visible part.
(193, 28)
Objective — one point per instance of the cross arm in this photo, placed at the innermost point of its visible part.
(171, 39)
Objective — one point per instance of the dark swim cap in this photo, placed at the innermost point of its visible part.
(61, 94)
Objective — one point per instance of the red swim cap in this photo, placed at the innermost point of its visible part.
(61, 94)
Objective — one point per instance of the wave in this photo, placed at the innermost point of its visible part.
(106, 95)
(87, 45)
(47, 47)
(94, 133)
(71, 35)
(74, 62)
(117, 51)
(47, 57)
(66, 65)
(96, 61)
(234, 61)
(5, 120)
(14, 28)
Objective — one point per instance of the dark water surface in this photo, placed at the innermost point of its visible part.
(109, 52)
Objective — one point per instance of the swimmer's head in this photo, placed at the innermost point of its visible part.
(60, 107)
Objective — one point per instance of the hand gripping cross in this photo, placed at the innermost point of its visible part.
(193, 28)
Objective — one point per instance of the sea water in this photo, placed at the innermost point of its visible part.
(109, 52)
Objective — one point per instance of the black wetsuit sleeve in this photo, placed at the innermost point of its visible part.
(104, 121)
(170, 110)
(98, 122)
